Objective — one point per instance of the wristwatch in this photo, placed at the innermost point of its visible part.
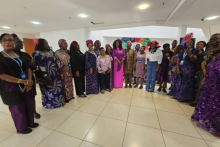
(44, 75)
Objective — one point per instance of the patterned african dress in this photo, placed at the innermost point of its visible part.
(52, 96)
(207, 111)
(172, 69)
(63, 60)
(188, 79)
(130, 61)
(92, 86)
(162, 74)
(175, 79)
(140, 64)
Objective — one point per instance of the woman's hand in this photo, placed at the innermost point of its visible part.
(77, 74)
(27, 88)
(62, 77)
(109, 70)
(48, 81)
(167, 54)
(28, 82)
(202, 83)
(91, 71)
(119, 63)
(145, 68)
(178, 72)
(188, 51)
(157, 69)
(103, 72)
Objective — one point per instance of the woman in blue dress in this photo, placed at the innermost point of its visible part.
(186, 70)
(48, 75)
(92, 86)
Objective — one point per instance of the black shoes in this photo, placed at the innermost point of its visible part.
(26, 131)
(35, 125)
(159, 89)
(164, 90)
(37, 115)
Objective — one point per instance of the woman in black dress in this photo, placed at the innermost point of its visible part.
(78, 68)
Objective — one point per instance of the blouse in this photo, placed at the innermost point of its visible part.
(155, 56)
(103, 64)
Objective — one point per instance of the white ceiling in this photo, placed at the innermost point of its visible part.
(54, 14)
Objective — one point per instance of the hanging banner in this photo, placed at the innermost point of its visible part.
(135, 41)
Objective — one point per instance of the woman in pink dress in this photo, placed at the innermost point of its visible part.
(140, 71)
(118, 53)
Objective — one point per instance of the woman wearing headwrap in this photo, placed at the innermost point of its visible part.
(207, 114)
(186, 69)
(118, 54)
(77, 61)
(109, 52)
(152, 63)
(64, 66)
(49, 81)
(92, 86)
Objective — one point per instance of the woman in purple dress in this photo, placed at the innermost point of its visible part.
(92, 86)
(207, 114)
(140, 71)
(118, 54)
(162, 75)
(174, 79)
(109, 52)
(50, 81)
(186, 69)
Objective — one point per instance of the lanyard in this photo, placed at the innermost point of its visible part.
(140, 57)
(20, 64)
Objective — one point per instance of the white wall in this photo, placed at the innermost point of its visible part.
(20, 35)
(215, 29)
(161, 34)
(78, 35)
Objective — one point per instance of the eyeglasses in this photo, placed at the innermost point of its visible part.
(189, 43)
(9, 40)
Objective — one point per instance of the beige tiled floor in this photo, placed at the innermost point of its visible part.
(123, 118)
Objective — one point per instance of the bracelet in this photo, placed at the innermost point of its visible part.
(19, 81)
(44, 75)
(26, 83)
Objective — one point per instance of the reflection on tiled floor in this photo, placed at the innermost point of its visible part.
(123, 118)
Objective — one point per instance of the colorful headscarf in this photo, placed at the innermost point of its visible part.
(89, 42)
(154, 43)
(61, 41)
(187, 38)
(14, 35)
(107, 46)
(75, 43)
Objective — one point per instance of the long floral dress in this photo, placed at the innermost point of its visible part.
(52, 96)
(207, 111)
(92, 86)
(63, 61)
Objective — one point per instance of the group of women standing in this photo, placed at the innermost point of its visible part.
(186, 68)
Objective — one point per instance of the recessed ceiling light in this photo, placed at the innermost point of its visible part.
(5, 27)
(212, 17)
(35, 22)
(83, 15)
(143, 6)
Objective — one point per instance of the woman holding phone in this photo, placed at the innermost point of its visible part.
(16, 86)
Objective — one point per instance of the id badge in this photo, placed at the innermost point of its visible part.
(139, 61)
(182, 62)
(23, 76)
(69, 64)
